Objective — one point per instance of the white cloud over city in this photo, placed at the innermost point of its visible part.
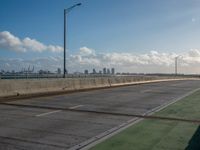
(87, 58)
(8, 41)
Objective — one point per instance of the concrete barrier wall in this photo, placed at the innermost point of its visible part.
(36, 86)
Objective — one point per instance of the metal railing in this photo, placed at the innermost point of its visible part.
(41, 76)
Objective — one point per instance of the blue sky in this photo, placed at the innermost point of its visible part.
(107, 26)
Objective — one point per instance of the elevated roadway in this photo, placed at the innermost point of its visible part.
(74, 120)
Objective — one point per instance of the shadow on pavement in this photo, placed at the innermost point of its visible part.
(194, 143)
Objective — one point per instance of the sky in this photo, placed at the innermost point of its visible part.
(140, 36)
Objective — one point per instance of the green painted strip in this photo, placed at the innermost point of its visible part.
(161, 134)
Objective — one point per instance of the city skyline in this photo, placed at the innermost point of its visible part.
(140, 37)
(31, 70)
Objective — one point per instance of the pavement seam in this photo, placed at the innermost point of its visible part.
(144, 116)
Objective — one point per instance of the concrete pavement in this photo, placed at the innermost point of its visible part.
(47, 122)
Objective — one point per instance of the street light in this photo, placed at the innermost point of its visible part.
(66, 11)
(176, 64)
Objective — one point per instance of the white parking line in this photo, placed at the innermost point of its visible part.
(51, 112)
(74, 107)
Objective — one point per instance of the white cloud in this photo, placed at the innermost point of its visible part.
(33, 44)
(194, 53)
(86, 51)
(10, 42)
(151, 62)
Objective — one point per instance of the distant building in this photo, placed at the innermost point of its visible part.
(113, 70)
(108, 71)
(100, 72)
(13, 71)
(59, 71)
(2, 71)
(41, 72)
(94, 71)
(44, 72)
(77, 73)
(104, 71)
(86, 72)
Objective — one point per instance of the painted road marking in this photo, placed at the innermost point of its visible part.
(51, 112)
(74, 107)
(151, 91)
(146, 91)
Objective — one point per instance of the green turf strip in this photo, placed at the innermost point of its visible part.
(161, 135)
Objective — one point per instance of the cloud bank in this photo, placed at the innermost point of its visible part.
(10, 42)
(86, 58)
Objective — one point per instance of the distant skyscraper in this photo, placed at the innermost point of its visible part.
(113, 70)
(94, 71)
(108, 71)
(104, 70)
(59, 71)
(86, 72)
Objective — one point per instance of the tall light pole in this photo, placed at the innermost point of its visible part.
(176, 64)
(66, 11)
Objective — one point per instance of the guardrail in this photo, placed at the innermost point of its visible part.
(41, 76)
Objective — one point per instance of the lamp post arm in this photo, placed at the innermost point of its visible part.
(70, 8)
